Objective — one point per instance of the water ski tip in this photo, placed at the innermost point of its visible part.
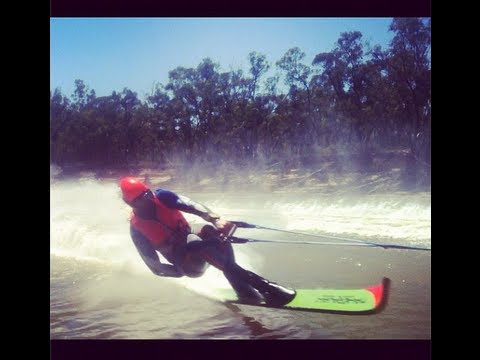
(380, 293)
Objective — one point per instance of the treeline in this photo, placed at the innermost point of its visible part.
(353, 101)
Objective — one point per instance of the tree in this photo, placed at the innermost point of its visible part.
(408, 66)
(297, 78)
(60, 116)
(258, 67)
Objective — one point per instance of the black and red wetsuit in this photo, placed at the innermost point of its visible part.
(189, 251)
(168, 232)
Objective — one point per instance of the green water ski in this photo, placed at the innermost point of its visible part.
(368, 300)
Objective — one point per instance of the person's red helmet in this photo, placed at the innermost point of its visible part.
(131, 188)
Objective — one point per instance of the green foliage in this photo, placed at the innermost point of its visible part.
(352, 99)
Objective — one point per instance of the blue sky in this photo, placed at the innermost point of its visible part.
(109, 54)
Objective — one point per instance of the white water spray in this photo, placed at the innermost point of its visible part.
(89, 221)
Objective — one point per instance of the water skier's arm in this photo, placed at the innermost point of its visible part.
(185, 204)
(150, 256)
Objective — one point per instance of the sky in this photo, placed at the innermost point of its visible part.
(109, 54)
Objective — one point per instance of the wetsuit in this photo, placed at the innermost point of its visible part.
(164, 229)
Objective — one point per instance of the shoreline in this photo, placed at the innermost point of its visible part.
(229, 178)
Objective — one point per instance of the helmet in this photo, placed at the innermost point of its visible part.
(131, 188)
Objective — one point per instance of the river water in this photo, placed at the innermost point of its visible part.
(101, 289)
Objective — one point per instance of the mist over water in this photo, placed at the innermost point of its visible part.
(100, 287)
(393, 216)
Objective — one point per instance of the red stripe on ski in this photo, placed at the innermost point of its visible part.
(377, 291)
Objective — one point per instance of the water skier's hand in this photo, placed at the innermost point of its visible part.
(223, 226)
